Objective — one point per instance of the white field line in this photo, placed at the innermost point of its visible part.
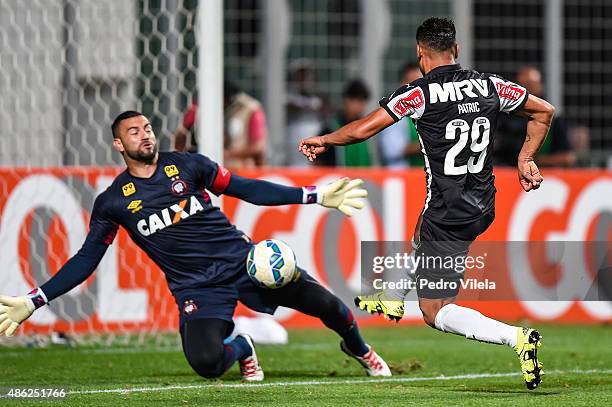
(330, 382)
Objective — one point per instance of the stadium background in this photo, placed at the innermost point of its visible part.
(69, 67)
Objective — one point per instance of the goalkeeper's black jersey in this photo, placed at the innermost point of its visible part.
(455, 112)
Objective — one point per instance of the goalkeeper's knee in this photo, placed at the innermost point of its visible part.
(207, 364)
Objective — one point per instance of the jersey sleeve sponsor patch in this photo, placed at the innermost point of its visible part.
(511, 96)
(406, 101)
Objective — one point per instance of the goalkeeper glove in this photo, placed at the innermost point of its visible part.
(340, 194)
(15, 310)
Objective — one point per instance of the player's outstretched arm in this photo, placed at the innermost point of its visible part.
(15, 310)
(343, 194)
(102, 231)
(539, 114)
(354, 132)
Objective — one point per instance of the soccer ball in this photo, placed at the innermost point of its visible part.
(271, 264)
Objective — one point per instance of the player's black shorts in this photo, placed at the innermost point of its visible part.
(220, 300)
(443, 249)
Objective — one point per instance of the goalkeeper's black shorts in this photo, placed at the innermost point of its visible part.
(219, 301)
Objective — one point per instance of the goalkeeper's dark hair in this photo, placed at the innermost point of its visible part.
(122, 116)
(437, 34)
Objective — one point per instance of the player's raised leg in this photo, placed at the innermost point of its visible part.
(438, 305)
(206, 353)
(389, 302)
(308, 296)
(446, 316)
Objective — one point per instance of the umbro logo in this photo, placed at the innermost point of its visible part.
(135, 206)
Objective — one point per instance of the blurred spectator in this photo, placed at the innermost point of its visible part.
(305, 109)
(184, 137)
(399, 143)
(511, 130)
(580, 138)
(244, 125)
(245, 131)
(354, 103)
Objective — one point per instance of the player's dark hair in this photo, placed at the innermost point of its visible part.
(356, 89)
(123, 116)
(408, 66)
(437, 34)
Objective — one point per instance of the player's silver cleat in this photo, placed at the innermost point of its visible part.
(373, 364)
(249, 367)
(527, 344)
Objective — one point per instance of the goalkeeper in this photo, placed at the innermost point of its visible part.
(162, 200)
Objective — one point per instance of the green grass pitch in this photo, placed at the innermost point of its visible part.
(430, 369)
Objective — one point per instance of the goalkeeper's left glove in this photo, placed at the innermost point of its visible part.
(341, 194)
(15, 310)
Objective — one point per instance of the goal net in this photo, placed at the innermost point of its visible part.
(69, 67)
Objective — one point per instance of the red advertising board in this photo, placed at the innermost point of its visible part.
(44, 215)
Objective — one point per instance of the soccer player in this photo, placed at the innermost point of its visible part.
(455, 111)
(162, 200)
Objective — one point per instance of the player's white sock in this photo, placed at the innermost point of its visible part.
(473, 325)
(400, 279)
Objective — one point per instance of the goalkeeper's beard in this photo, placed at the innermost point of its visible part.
(143, 156)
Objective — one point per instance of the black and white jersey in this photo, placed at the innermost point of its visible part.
(455, 112)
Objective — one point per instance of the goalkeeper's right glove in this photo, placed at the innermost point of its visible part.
(15, 310)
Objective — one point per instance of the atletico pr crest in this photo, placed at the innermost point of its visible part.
(189, 307)
(179, 187)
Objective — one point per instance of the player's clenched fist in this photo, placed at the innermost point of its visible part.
(13, 311)
(313, 146)
(343, 195)
(529, 175)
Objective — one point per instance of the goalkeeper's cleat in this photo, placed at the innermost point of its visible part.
(249, 367)
(380, 303)
(527, 344)
(373, 364)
